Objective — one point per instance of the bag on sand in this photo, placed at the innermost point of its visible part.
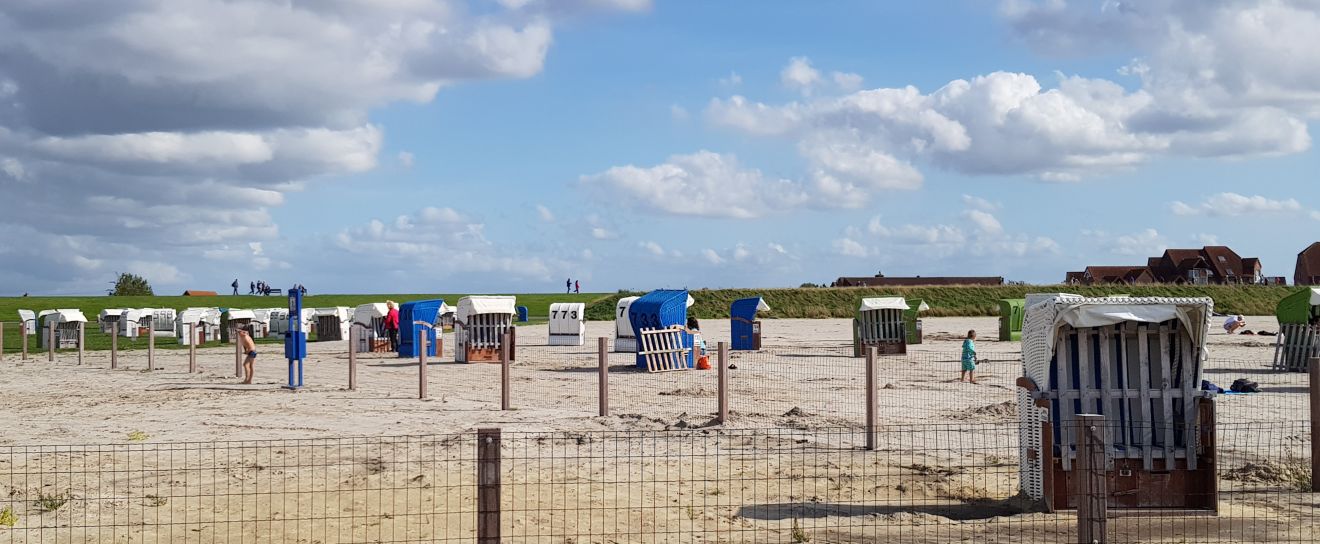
(1243, 385)
(703, 363)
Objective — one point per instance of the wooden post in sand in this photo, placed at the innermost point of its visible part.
(722, 381)
(238, 351)
(421, 364)
(1315, 424)
(192, 348)
(114, 344)
(151, 346)
(82, 336)
(505, 393)
(1092, 486)
(603, 375)
(488, 486)
(871, 399)
(352, 357)
(50, 341)
(22, 326)
(2, 341)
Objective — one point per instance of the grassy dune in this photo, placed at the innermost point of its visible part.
(952, 300)
(538, 306)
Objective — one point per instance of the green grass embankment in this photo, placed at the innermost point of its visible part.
(951, 300)
(538, 306)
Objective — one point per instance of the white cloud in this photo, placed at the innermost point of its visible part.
(978, 203)
(847, 81)
(701, 184)
(799, 75)
(545, 214)
(731, 80)
(652, 248)
(712, 257)
(1315, 215)
(601, 233)
(1145, 243)
(177, 125)
(436, 239)
(984, 221)
(405, 159)
(1204, 239)
(849, 247)
(678, 113)
(1233, 204)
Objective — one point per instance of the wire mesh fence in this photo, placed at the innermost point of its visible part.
(920, 483)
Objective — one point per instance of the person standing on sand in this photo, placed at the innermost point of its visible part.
(247, 345)
(392, 325)
(969, 358)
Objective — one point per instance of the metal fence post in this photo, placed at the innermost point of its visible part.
(871, 399)
(505, 393)
(421, 363)
(722, 380)
(352, 357)
(192, 348)
(1091, 484)
(82, 336)
(1315, 424)
(488, 486)
(603, 375)
(114, 345)
(50, 341)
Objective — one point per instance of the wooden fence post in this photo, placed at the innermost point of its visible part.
(192, 348)
(603, 375)
(870, 398)
(238, 351)
(22, 325)
(2, 341)
(82, 336)
(1315, 424)
(50, 341)
(722, 380)
(114, 344)
(488, 486)
(1090, 479)
(505, 392)
(151, 347)
(421, 362)
(352, 357)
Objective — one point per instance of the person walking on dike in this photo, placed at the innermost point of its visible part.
(969, 358)
(252, 288)
(577, 287)
(568, 285)
(247, 345)
(392, 325)
(235, 284)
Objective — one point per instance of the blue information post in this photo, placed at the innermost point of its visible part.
(295, 341)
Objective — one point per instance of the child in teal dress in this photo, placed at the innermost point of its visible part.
(969, 358)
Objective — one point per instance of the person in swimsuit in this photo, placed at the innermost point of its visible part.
(969, 358)
(247, 345)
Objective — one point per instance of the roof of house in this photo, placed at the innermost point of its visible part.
(919, 280)
(1116, 273)
(1308, 264)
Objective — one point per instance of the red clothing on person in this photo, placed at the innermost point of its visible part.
(392, 319)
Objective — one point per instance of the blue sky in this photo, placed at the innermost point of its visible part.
(637, 145)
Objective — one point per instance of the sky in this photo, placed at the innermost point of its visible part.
(360, 146)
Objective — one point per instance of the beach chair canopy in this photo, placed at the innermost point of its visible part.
(884, 303)
(470, 306)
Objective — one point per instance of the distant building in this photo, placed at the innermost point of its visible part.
(1308, 266)
(197, 293)
(880, 280)
(1210, 265)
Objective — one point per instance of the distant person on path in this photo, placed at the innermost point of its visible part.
(969, 358)
(235, 284)
(577, 287)
(247, 345)
(252, 288)
(1233, 323)
(568, 285)
(392, 325)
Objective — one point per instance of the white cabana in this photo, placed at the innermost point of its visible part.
(332, 323)
(625, 340)
(371, 336)
(29, 320)
(1138, 361)
(67, 323)
(568, 324)
(480, 325)
(884, 303)
(277, 319)
(880, 323)
(236, 317)
(135, 323)
(109, 320)
(162, 321)
(445, 316)
(205, 324)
